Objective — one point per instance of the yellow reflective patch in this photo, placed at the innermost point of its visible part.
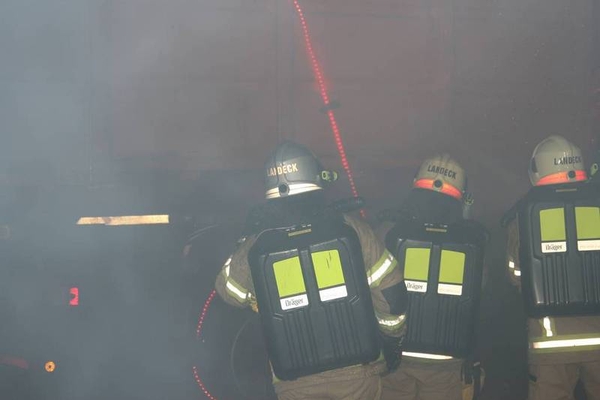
(588, 222)
(302, 232)
(565, 190)
(552, 224)
(452, 267)
(416, 264)
(289, 278)
(381, 269)
(328, 268)
(440, 230)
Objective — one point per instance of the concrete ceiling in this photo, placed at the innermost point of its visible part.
(91, 88)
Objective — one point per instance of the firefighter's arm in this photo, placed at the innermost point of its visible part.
(390, 298)
(234, 282)
(512, 254)
(385, 281)
(388, 292)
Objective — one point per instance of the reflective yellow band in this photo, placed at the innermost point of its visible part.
(389, 323)
(392, 321)
(381, 269)
(125, 220)
(548, 326)
(234, 289)
(237, 291)
(226, 266)
(426, 356)
(566, 343)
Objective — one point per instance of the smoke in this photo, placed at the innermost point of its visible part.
(106, 106)
(103, 94)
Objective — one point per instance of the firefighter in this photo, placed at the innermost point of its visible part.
(441, 255)
(552, 257)
(330, 297)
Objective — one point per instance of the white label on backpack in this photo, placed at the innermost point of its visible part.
(298, 301)
(588, 245)
(333, 293)
(554, 247)
(453, 290)
(416, 286)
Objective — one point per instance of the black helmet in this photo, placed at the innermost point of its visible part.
(293, 169)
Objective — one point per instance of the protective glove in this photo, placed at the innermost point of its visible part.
(392, 350)
(253, 303)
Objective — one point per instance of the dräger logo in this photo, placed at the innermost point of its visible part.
(294, 302)
(415, 286)
(553, 247)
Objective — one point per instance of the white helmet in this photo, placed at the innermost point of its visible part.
(556, 160)
(442, 174)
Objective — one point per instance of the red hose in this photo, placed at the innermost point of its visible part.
(325, 96)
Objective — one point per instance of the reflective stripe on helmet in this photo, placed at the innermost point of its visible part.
(382, 267)
(294, 188)
(426, 356)
(562, 177)
(292, 169)
(446, 188)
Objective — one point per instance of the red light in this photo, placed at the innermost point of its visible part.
(201, 384)
(14, 361)
(74, 301)
(198, 331)
(325, 97)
